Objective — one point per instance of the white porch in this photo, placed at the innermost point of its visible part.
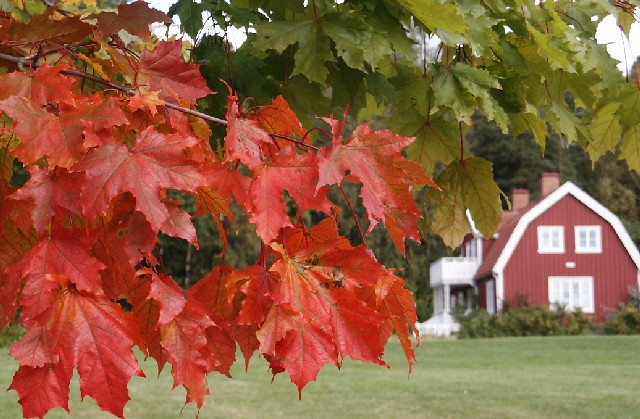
(452, 282)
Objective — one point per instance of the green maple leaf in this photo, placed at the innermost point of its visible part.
(481, 194)
(451, 94)
(630, 103)
(625, 18)
(467, 184)
(480, 83)
(480, 32)
(606, 131)
(564, 121)
(412, 89)
(630, 148)
(437, 139)
(437, 16)
(557, 56)
(314, 48)
(190, 14)
(350, 33)
(530, 122)
(464, 89)
(314, 51)
(450, 220)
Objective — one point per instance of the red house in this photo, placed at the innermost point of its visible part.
(567, 248)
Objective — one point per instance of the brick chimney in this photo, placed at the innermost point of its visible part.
(519, 199)
(550, 182)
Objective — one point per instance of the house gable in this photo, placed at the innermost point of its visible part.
(528, 219)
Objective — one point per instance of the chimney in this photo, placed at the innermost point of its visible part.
(550, 182)
(519, 199)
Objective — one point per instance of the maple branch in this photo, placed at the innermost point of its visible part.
(461, 142)
(353, 212)
(22, 61)
(300, 143)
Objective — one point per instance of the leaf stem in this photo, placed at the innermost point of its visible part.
(461, 142)
(353, 213)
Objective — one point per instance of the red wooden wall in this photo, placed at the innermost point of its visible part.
(612, 270)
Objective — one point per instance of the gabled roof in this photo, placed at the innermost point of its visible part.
(505, 229)
(515, 223)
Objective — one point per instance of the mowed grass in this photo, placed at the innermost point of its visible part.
(570, 377)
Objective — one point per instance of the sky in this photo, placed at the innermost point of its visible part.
(608, 33)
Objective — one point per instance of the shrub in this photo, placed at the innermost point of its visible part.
(626, 320)
(11, 334)
(524, 321)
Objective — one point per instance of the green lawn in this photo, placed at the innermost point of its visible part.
(587, 376)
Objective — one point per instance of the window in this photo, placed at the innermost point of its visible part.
(572, 291)
(551, 239)
(491, 297)
(588, 239)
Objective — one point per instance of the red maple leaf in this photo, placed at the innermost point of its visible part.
(13, 246)
(211, 292)
(59, 136)
(95, 336)
(38, 299)
(244, 137)
(79, 238)
(256, 283)
(42, 29)
(134, 18)
(296, 345)
(397, 303)
(163, 69)
(321, 283)
(217, 291)
(278, 117)
(318, 314)
(169, 296)
(191, 341)
(245, 336)
(291, 172)
(121, 244)
(42, 388)
(41, 134)
(45, 85)
(67, 252)
(179, 224)
(35, 348)
(157, 162)
(129, 228)
(388, 179)
(48, 190)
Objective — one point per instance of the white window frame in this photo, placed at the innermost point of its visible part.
(572, 292)
(490, 291)
(546, 246)
(596, 246)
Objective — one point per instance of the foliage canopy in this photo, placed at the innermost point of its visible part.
(103, 116)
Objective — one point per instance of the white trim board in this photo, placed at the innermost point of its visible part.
(568, 188)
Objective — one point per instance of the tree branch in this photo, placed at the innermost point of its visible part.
(353, 213)
(22, 62)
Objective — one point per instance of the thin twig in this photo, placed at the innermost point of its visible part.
(353, 213)
(21, 61)
(293, 140)
(461, 142)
